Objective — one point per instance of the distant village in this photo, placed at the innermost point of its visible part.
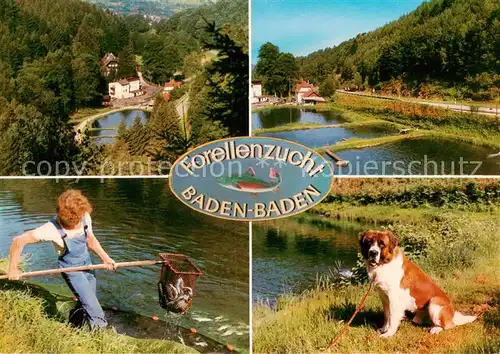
(131, 87)
(304, 93)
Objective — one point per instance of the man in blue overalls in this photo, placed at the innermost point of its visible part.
(72, 235)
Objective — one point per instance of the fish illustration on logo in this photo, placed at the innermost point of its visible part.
(249, 183)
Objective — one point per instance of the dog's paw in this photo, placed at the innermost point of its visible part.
(383, 329)
(387, 334)
(435, 330)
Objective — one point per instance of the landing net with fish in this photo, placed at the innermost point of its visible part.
(177, 281)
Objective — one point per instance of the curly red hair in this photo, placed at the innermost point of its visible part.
(71, 207)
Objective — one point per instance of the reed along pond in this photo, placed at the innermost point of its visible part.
(135, 219)
(104, 129)
(422, 156)
(288, 255)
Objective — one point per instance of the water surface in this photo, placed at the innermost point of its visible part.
(329, 136)
(270, 118)
(288, 256)
(420, 157)
(135, 219)
(113, 121)
(424, 156)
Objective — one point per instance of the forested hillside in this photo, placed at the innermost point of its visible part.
(49, 53)
(448, 48)
(152, 8)
(169, 41)
(49, 69)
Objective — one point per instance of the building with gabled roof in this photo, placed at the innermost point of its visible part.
(109, 64)
(125, 88)
(304, 86)
(171, 85)
(307, 93)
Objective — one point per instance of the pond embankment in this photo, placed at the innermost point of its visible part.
(448, 227)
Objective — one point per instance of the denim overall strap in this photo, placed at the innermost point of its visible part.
(82, 284)
(75, 251)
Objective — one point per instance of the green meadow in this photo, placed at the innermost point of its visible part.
(449, 227)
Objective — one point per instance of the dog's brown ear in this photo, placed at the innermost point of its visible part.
(361, 235)
(393, 240)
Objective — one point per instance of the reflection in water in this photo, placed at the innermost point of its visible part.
(275, 240)
(288, 255)
(113, 121)
(420, 157)
(270, 118)
(328, 136)
(426, 156)
(136, 219)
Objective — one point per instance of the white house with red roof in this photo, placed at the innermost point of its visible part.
(307, 93)
(171, 85)
(125, 88)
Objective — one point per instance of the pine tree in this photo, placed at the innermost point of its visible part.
(87, 39)
(122, 130)
(126, 60)
(228, 80)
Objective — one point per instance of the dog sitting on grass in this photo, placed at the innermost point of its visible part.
(403, 286)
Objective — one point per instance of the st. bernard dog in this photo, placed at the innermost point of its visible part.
(403, 286)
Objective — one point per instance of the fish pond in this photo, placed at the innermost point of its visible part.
(422, 156)
(288, 256)
(135, 219)
(105, 129)
(271, 118)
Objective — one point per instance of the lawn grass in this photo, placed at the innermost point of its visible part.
(85, 112)
(32, 321)
(456, 243)
(103, 128)
(25, 327)
(309, 322)
(294, 126)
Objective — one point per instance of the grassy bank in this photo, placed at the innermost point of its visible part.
(360, 143)
(453, 234)
(294, 126)
(442, 99)
(279, 106)
(31, 322)
(86, 112)
(474, 128)
(422, 121)
(306, 126)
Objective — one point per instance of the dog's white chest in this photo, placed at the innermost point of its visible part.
(387, 279)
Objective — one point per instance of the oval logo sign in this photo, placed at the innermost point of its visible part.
(251, 178)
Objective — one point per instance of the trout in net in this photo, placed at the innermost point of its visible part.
(180, 297)
(177, 282)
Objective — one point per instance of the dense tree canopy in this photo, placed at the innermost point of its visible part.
(49, 70)
(278, 71)
(185, 32)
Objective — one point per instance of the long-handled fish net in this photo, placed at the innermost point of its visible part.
(177, 282)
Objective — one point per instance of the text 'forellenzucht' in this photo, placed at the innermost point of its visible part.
(251, 178)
